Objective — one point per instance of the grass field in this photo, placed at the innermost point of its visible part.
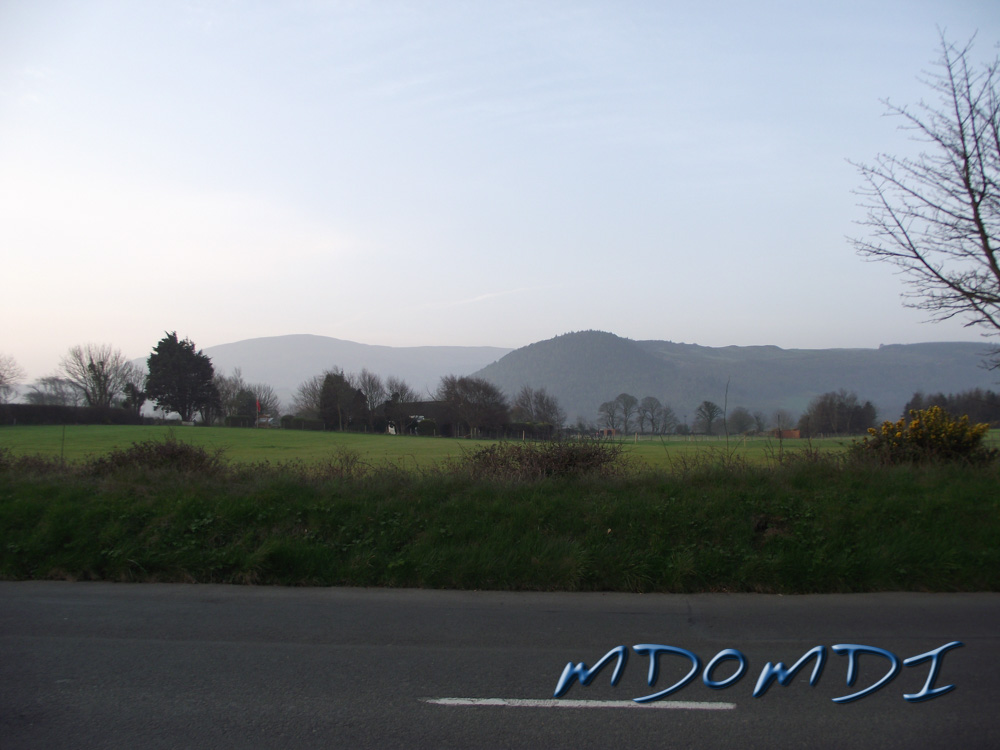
(79, 442)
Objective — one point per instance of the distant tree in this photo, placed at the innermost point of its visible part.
(837, 413)
(180, 377)
(668, 421)
(399, 390)
(977, 404)
(538, 407)
(229, 388)
(336, 399)
(916, 403)
(262, 400)
(373, 389)
(11, 373)
(305, 401)
(739, 421)
(473, 402)
(706, 415)
(936, 216)
(610, 415)
(759, 421)
(648, 414)
(134, 394)
(628, 405)
(53, 390)
(98, 371)
(782, 419)
(397, 406)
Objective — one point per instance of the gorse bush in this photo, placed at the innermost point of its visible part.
(518, 461)
(929, 435)
(170, 454)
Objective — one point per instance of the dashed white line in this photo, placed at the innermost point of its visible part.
(562, 703)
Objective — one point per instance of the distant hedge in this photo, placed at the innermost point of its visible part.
(32, 414)
(299, 423)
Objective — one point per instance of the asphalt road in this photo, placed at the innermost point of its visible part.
(95, 665)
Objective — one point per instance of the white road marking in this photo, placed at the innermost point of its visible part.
(560, 703)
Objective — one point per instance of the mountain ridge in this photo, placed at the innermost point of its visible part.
(585, 368)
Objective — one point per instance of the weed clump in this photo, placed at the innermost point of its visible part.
(526, 461)
(9, 462)
(158, 455)
(930, 435)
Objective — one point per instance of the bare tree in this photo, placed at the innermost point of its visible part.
(134, 390)
(628, 404)
(782, 419)
(267, 401)
(305, 402)
(759, 421)
(229, 388)
(706, 415)
(238, 398)
(11, 373)
(371, 386)
(838, 413)
(98, 371)
(401, 396)
(740, 421)
(668, 421)
(649, 412)
(610, 415)
(53, 390)
(537, 406)
(937, 216)
(476, 402)
(399, 390)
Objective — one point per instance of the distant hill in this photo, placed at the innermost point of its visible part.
(283, 362)
(585, 369)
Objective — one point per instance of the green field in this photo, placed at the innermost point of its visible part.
(79, 442)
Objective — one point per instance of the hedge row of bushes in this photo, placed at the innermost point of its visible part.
(37, 414)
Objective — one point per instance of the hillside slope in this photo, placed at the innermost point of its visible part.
(586, 368)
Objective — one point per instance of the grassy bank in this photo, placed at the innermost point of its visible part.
(803, 526)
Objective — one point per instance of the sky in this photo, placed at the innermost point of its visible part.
(454, 173)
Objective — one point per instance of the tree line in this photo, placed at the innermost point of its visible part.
(180, 378)
(977, 404)
(833, 413)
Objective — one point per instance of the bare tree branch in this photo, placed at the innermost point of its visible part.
(936, 217)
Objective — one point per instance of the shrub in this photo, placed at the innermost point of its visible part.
(171, 454)
(518, 461)
(929, 435)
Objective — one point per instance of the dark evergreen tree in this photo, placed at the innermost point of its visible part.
(180, 378)
(336, 400)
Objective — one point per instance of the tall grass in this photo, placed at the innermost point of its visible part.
(816, 524)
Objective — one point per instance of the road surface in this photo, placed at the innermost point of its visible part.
(101, 665)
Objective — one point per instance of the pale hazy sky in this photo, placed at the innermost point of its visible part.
(470, 173)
